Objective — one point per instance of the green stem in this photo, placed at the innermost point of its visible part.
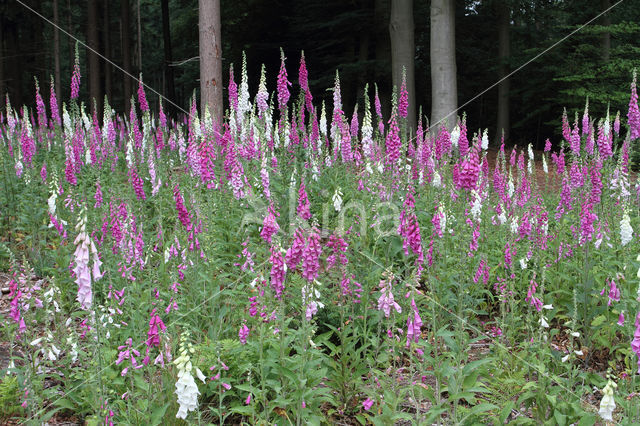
(263, 394)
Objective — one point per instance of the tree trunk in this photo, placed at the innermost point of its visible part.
(125, 12)
(107, 52)
(56, 49)
(403, 52)
(503, 70)
(2, 54)
(382, 53)
(605, 42)
(168, 57)
(210, 58)
(35, 59)
(93, 59)
(363, 55)
(14, 72)
(139, 41)
(72, 50)
(444, 92)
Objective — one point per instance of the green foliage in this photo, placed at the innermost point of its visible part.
(9, 398)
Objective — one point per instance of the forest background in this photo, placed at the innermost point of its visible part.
(492, 38)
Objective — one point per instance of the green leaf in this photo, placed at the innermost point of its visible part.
(552, 399)
(506, 411)
(470, 397)
(158, 414)
(51, 413)
(248, 388)
(470, 380)
(65, 403)
(560, 418)
(288, 373)
(587, 419)
(245, 410)
(483, 408)
(433, 414)
(599, 320)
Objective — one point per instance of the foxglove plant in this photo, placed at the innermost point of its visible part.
(574, 140)
(15, 294)
(186, 388)
(262, 96)
(75, 77)
(566, 128)
(345, 145)
(613, 293)
(367, 130)
(294, 253)
(128, 352)
(84, 248)
(604, 144)
(243, 333)
(311, 299)
(244, 105)
(393, 143)
(626, 231)
(283, 83)
(278, 271)
(303, 79)
(53, 105)
(264, 176)
(40, 108)
(463, 142)
(303, 75)
(635, 343)
(386, 300)
(142, 98)
(183, 214)
(409, 230)
(414, 324)
(608, 403)
(378, 108)
(28, 144)
(270, 226)
(233, 91)
(311, 256)
(138, 185)
(633, 114)
(98, 196)
(585, 119)
(403, 101)
(304, 207)
(469, 170)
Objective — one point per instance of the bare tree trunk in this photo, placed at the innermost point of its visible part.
(139, 40)
(72, 50)
(382, 52)
(210, 58)
(2, 54)
(504, 48)
(107, 52)
(403, 52)
(125, 12)
(56, 49)
(14, 72)
(363, 55)
(37, 61)
(168, 57)
(606, 36)
(93, 59)
(444, 91)
(348, 87)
